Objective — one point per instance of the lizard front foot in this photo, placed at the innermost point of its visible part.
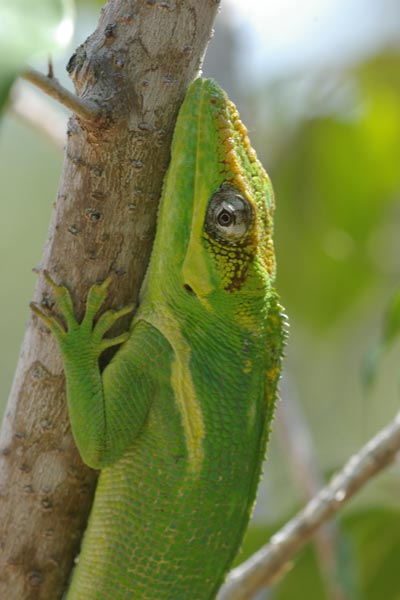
(87, 335)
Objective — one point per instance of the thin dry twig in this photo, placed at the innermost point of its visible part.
(273, 558)
(85, 109)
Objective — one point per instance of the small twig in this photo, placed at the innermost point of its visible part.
(273, 558)
(89, 111)
(296, 439)
(35, 110)
(50, 68)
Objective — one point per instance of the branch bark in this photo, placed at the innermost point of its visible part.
(135, 67)
(272, 560)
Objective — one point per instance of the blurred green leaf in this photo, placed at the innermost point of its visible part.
(6, 82)
(370, 365)
(391, 326)
(390, 332)
(28, 30)
(335, 186)
(375, 534)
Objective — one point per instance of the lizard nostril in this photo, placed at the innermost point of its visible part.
(188, 288)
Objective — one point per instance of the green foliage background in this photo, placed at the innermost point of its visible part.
(335, 169)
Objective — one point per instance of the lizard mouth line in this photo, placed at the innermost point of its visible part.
(189, 289)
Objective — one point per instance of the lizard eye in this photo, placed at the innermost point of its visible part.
(229, 215)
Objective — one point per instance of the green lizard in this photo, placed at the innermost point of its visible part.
(178, 421)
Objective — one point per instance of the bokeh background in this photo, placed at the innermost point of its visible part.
(317, 83)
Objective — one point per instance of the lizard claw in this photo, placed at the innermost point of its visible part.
(54, 325)
(49, 280)
(107, 320)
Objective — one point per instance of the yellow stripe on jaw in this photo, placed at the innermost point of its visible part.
(192, 417)
(182, 384)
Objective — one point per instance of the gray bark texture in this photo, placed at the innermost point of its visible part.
(136, 67)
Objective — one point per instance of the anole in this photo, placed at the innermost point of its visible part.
(179, 419)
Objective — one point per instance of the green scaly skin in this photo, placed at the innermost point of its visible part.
(178, 421)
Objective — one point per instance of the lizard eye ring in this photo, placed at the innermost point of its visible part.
(225, 218)
(229, 215)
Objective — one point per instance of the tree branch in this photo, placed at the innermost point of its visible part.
(85, 109)
(272, 559)
(136, 66)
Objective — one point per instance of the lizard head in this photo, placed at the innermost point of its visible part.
(230, 246)
(217, 206)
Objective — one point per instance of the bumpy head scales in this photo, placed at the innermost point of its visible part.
(217, 199)
(238, 222)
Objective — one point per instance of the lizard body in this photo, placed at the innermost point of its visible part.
(178, 421)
